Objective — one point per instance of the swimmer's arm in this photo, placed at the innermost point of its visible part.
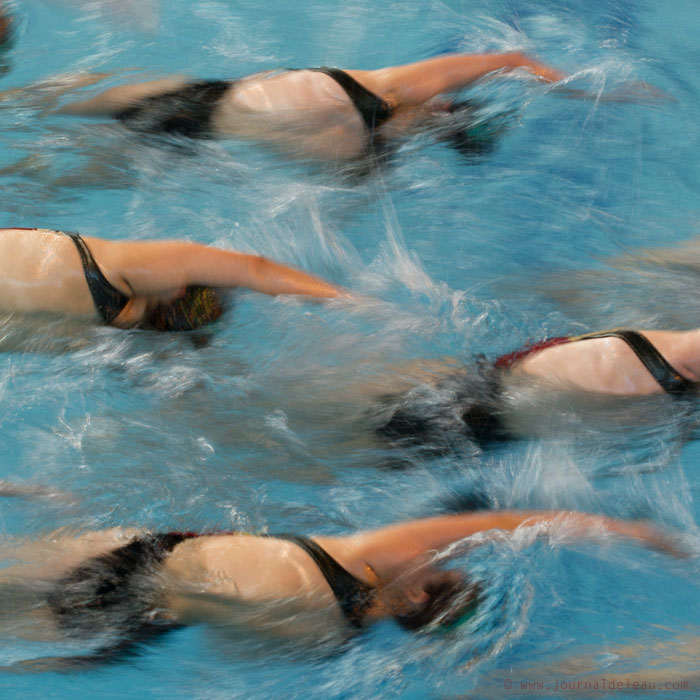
(417, 83)
(434, 534)
(157, 267)
(115, 99)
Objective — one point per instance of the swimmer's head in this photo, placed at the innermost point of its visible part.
(197, 307)
(464, 126)
(435, 598)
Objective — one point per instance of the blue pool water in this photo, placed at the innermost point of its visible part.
(262, 429)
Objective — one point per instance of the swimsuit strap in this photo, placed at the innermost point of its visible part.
(669, 378)
(354, 596)
(372, 108)
(109, 301)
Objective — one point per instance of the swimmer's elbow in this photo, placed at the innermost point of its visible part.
(259, 264)
(263, 275)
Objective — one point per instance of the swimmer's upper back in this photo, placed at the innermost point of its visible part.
(608, 365)
(304, 112)
(40, 271)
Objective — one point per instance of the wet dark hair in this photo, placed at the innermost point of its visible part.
(198, 307)
(451, 597)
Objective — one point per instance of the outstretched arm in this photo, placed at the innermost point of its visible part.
(157, 267)
(417, 83)
(115, 99)
(419, 537)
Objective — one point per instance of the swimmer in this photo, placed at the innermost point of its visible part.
(130, 585)
(619, 363)
(153, 285)
(321, 113)
(5, 25)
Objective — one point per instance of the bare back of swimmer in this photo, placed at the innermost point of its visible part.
(607, 365)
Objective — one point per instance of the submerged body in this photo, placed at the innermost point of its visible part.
(128, 585)
(476, 402)
(125, 284)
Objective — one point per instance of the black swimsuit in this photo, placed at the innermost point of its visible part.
(186, 110)
(353, 595)
(109, 301)
(373, 109)
(115, 595)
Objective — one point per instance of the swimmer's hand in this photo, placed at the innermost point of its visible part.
(653, 537)
(336, 294)
(586, 526)
(9, 489)
(540, 70)
(684, 257)
(45, 94)
(634, 91)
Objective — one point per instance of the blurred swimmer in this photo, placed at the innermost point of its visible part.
(155, 285)
(322, 113)
(10, 489)
(621, 363)
(5, 25)
(645, 282)
(7, 35)
(128, 586)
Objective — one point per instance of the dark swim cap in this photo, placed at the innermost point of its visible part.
(467, 127)
(198, 307)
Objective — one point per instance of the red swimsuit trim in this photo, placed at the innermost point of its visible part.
(508, 360)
